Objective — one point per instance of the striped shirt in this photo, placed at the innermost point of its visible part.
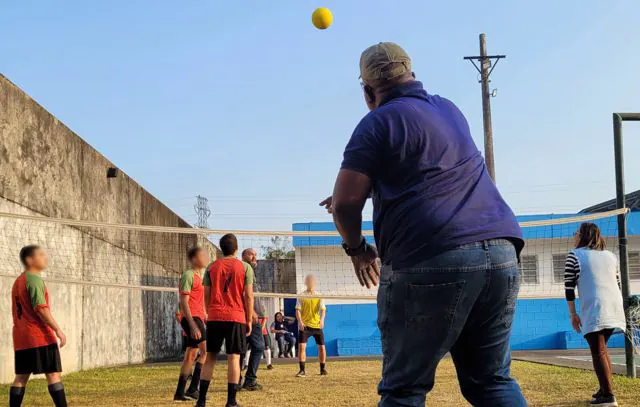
(571, 276)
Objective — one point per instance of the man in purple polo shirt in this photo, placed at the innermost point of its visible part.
(447, 240)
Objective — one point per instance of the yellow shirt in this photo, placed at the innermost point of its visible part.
(310, 309)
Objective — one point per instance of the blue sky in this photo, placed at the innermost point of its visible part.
(251, 106)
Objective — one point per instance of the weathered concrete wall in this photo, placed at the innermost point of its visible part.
(277, 276)
(45, 169)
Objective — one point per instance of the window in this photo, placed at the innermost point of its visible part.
(529, 269)
(559, 261)
(634, 265)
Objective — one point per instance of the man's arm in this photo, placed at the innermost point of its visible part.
(248, 305)
(299, 314)
(186, 285)
(206, 282)
(37, 289)
(47, 317)
(349, 196)
(186, 312)
(323, 313)
(248, 297)
(300, 323)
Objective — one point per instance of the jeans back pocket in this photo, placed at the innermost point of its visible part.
(431, 310)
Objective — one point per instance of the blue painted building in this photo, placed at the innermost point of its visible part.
(541, 320)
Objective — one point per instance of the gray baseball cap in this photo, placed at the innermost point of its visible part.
(384, 61)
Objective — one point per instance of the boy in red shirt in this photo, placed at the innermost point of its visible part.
(193, 315)
(35, 330)
(229, 298)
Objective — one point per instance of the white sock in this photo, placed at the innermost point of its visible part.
(246, 358)
(267, 353)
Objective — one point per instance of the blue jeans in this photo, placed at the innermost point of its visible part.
(256, 344)
(461, 301)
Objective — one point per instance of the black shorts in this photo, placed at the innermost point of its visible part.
(233, 334)
(193, 343)
(317, 334)
(45, 359)
(184, 343)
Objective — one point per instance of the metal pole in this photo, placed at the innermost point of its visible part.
(622, 239)
(485, 67)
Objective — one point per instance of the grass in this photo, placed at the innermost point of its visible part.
(350, 383)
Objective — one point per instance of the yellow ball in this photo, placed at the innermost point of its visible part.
(322, 18)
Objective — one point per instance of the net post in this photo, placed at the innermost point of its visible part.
(622, 239)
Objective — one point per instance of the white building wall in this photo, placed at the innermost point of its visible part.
(336, 277)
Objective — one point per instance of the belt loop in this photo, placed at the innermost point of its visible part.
(485, 244)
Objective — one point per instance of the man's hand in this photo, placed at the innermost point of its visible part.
(254, 317)
(366, 267)
(576, 323)
(249, 325)
(195, 332)
(321, 324)
(300, 326)
(327, 204)
(62, 337)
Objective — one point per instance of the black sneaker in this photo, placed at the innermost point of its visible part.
(301, 373)
(323, 372)
(192, 394)
(201, 404)
(596, 395)
(251, 386)
(269, 367)
(604, 401)
(179, 398)
(231, 405)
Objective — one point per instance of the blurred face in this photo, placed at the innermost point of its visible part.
(38, 260)
(279, 317)
(310, 282)
(251, 257)
(201, 260)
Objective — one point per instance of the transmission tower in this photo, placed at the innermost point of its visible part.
(202, 210)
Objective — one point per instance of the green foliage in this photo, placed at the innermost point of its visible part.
(279, 248)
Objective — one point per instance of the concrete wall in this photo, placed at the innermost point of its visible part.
(351, 330)
(45, 169)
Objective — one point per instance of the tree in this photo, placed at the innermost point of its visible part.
(279, 248)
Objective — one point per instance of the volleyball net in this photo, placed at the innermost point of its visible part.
(152, 258)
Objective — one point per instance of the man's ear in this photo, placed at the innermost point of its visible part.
(413, 74)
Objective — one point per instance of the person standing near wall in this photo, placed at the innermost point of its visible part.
(255, 340)
(594, 271)
(193, 311)
(310, 313)
(35, 330)
(448, 241)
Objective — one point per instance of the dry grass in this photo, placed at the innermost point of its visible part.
(350, 383)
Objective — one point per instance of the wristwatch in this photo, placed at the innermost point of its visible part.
(355, 251)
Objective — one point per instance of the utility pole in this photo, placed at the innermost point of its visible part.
(485, 69)
(202, 210)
